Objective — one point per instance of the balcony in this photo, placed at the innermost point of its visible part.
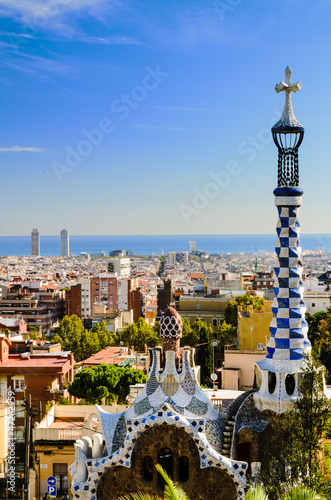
(58, 433)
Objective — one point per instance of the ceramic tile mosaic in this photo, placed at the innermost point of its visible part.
(168, 398)
(249, 416)
(197, 407)
(175, 407)
(119, 434)
(209, 457)
(142, 407)
(214, 434)
(288, 328)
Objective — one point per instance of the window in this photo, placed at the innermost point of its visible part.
(197, 306)
(271, 382)
(313, 304)
(18, 383)
(290, 384)
(148, 468)
(183, 469)
(60, 472)
(214, 321)
(165, 460)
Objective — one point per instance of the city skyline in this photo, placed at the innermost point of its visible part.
(129, 118)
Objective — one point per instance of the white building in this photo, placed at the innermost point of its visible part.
(123, 288)
(120, 265)
(171, 258)
(316, 301)
(85, 284)
(64, 243)
(192, 247)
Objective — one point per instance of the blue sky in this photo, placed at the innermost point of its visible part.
(151, 117)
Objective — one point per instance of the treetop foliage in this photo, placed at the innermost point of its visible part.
(74, 337)
(231, 309)
(295, 446)
(105, 381)
(140, 333)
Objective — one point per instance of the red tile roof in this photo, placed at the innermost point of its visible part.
(35, 363)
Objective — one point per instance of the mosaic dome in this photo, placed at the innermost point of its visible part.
(171, 324)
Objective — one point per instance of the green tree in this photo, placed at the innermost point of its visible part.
(324, 343)
(105, 337)
(105, 381)
(227, 334)
(190, 336)
(128, 376)
(231, 312)
(94, 384)
(298, 493)
(138, 334)
(73, 337)
(204, 353)
(256, 493)
(68, 334)
(296, 437)
(231, 309)
(314, 327)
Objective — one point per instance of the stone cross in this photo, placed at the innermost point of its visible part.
(288, 119)
(288, 86)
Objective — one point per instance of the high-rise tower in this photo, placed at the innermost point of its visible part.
(277, 376)
(35, 242)
(64, 243)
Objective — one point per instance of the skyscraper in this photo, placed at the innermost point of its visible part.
(35, 242)
(192, 247)
(64, 243)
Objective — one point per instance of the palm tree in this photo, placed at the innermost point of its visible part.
(298, 493)
(256, 493)
(171, 491)
(302, 493)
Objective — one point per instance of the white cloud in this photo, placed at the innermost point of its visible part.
(110, 40)
(31, 149)
(37, 65)
(29, 10)
(57, 16)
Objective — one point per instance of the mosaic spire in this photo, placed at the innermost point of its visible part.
(171, 330)
(277, 376)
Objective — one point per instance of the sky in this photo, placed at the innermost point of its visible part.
(153, 117)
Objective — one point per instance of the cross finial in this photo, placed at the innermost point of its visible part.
(288, 86)
(287, 120)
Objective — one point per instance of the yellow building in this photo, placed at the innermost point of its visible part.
(253, 335)
(253, 327)
(208, 309)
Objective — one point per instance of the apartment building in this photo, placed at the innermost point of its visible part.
(39, 304)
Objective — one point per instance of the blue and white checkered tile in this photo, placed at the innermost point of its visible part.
(288, 328)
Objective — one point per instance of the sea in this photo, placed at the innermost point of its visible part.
(155, 244)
